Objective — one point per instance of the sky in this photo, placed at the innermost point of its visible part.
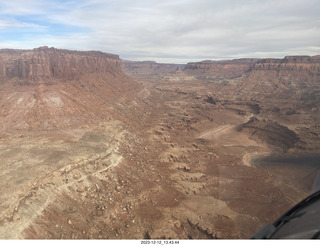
(166, 31)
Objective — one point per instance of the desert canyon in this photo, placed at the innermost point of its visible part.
(96, 147)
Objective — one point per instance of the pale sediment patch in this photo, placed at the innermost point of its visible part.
(42, 192)
(54, 100)
(19, 101)
(247, 157)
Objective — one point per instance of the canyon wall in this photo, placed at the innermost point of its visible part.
(236, 68)
(290, 63)
(49, 63)
(48, 88)
(220, 69)
(147, 68)
(300, 73)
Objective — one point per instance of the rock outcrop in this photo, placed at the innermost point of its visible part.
(220, 69)
(292, 72)
(263, 75)
(46, 64)
(48, 88)
(304, 65)
(290, 63)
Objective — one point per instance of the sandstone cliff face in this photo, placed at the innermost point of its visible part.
(220, 69)
(236, 68)
(44, 64)
(290, 63)
(292, 72)
(48, 88)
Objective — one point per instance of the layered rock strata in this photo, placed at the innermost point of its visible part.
(47, 88)
(220, 69)
(49, 63)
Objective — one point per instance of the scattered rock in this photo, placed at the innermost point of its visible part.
(186, 169)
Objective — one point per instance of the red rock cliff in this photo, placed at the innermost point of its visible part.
(290, 63)
(49, 63)
(47, 88)
(220, 69)
(269, 75)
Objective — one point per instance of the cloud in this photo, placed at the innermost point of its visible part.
(170, 30)
(22, 7)
(4, 24)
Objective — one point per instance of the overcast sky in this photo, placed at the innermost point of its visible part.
(176, 31)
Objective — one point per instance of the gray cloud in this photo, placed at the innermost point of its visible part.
(180, 30)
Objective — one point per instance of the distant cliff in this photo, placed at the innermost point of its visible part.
(147, 68)
(220, 69)
(269, 75)
(49, 63)
(236, 68)
(290, 63)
